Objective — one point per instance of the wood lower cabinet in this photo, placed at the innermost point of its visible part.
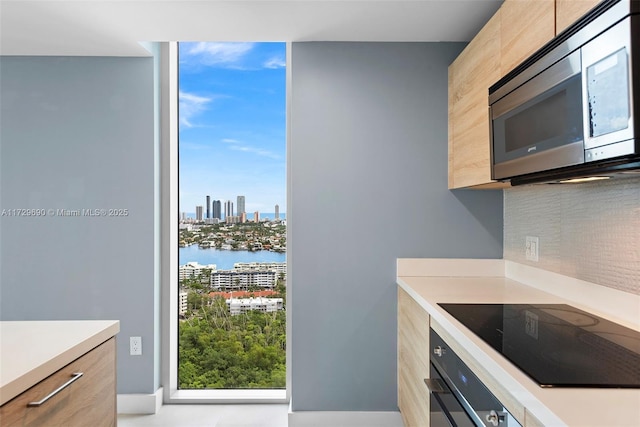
(413, 361)
(569, 11)
(88, 401)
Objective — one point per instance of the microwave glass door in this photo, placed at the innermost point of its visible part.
(607, 87)
(608, 94)
(549, 120)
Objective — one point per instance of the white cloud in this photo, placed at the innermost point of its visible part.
(258, 151)
(239, 146)
(220, 54)
(275, 62)
(190, 105)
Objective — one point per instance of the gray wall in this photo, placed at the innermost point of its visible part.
(79, 133)
(368, 184)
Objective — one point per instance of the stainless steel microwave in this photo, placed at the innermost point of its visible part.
(571, 109)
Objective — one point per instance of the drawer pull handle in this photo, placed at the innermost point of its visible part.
(74, 377)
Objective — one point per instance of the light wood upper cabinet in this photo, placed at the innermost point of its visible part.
(569, 11)
(470, 76)
(526, 26)
(517, 30)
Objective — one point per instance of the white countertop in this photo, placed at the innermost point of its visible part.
(30, 351)
(486, 281)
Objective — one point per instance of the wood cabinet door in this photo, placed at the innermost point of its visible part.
(470, 77)
(569, 11)
(526, 26)
(88, 401)
(413, 361)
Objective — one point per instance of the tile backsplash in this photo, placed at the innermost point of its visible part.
(589, 231)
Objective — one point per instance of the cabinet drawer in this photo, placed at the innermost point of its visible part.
(90, 400)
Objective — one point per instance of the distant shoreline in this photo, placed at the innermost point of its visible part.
(224, 259)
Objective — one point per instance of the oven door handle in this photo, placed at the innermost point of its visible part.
(437, 387)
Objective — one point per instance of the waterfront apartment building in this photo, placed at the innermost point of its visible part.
(277, 212)
(278, 267)
(193, 269)
(244, 274)
(208, 207)
(243, 279)
(198, 213)
(242, 305)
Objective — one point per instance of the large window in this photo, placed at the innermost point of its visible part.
(232, 274)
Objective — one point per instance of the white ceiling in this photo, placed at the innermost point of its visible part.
(114, 27)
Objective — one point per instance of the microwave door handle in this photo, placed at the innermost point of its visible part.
(436, 387)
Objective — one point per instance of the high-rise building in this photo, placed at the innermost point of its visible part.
(198, 213)
(184, 216)
(256, 216)
(208, 207)
(217, 209)
(240, 209)
(277, 211)
(228, 208)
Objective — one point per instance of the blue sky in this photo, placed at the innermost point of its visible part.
(232, 124)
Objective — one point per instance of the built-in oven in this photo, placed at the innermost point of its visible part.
(570, 109)
(457, 397)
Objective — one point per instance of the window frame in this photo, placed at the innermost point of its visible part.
(169, 250)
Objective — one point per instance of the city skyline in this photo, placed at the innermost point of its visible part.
(232, 133)
(213, 209)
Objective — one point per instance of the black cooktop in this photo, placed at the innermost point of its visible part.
(557, 345)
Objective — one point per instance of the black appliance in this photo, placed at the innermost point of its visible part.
(457, 397)
(557, 345)
(571, 110)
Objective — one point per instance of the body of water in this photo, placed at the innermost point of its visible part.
(224, 260)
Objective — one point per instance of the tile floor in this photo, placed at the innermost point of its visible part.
(272, 415)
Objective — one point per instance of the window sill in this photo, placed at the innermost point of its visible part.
(227, 396)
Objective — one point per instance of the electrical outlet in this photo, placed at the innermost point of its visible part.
(135, 346)
(531, 249)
